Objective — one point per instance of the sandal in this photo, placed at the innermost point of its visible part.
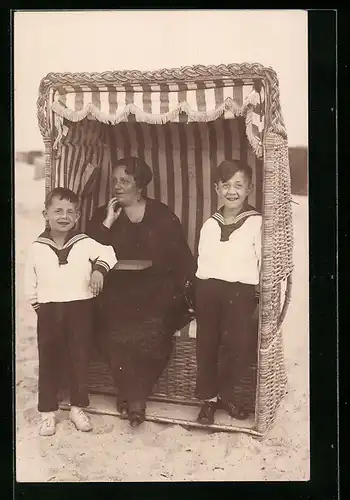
(136, 417)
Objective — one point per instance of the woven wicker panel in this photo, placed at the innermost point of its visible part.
(278, 208)
(277, 266)
(271, 384)
(178, 380)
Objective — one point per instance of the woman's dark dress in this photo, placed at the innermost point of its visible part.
(134, 307)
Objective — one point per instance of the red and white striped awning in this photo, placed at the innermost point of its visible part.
(162, 103)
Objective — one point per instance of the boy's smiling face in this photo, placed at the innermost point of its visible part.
(234, 191)
(61, 215)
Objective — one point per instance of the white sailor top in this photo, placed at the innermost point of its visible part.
(231, 252)
(63, 275)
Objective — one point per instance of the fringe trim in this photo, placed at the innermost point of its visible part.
(58, 121)
(142, 116)
(253, 99)
(255, 141)
(229, 105)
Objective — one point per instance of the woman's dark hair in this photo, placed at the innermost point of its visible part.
(62, 194)
(228, 168)
(136, 167)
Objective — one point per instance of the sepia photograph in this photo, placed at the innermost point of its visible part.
(161, 246)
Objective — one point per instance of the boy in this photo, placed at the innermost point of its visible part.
(65, 270)
(229, 255)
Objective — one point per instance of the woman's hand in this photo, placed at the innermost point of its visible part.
(111, 215)
(96, 282)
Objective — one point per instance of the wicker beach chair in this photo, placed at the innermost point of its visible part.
(183, 121)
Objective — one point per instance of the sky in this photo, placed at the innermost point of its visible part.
(73, 41)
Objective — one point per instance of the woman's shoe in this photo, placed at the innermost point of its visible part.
(235, 412)
(122, 408)
(207, 413)
(137, 417)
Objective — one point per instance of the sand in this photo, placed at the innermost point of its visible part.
(113, 451)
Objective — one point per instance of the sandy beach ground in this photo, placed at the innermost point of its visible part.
(113, 452)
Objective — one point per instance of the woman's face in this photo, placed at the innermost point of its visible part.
(124, 186)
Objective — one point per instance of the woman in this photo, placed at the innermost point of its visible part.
(137, 306)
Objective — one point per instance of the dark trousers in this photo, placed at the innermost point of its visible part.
(226, 336)
(64, 337)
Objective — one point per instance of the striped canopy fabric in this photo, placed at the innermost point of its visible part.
(192, 102)
(180, 155)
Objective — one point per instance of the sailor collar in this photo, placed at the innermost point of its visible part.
(72, 238)
(227, 229)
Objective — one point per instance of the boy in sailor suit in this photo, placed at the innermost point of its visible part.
(229, 255)
(65, 270)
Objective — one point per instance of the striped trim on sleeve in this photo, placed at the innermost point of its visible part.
(101, 266)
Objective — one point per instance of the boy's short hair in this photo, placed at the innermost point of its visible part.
(228, 168)
(62, 194)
